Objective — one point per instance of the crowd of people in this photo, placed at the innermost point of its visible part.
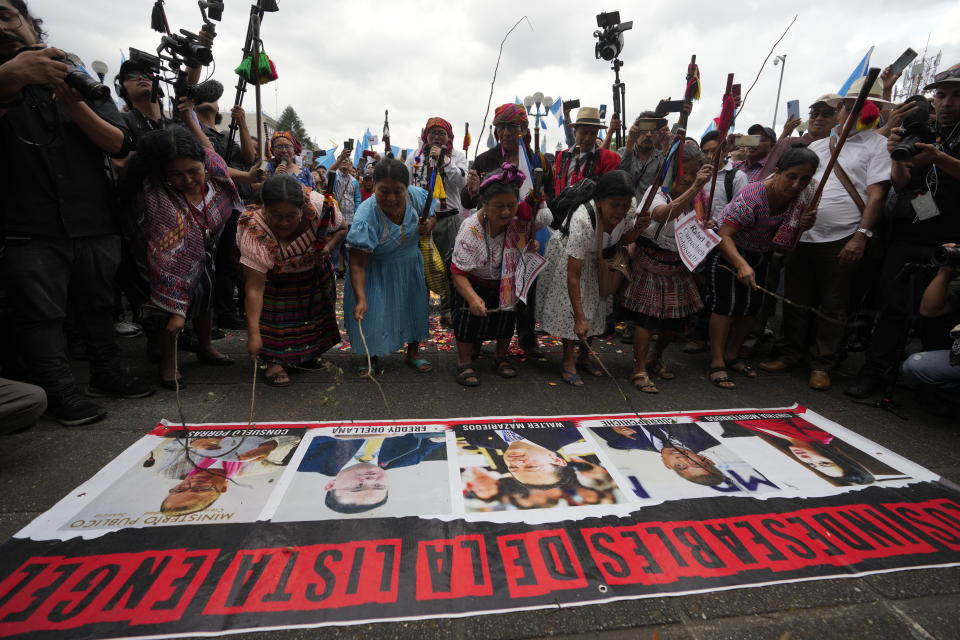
(108, 212)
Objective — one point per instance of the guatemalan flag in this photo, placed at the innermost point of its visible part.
(859, 71)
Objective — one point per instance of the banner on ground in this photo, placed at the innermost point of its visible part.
(219, 527)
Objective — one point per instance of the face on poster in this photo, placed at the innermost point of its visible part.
(674, 460)
(803, 455)
(215, 475)
(530, 466)
(364, 472)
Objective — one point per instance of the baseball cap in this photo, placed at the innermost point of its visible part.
(759, 129)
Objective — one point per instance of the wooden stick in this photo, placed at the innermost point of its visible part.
(261, 148)
(718, 156)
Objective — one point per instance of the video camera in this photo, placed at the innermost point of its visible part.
(610, 35)
(182, 49)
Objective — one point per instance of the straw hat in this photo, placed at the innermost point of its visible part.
(875, 95)
(588, 117)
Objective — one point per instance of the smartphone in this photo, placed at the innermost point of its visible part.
(571, 104)
(793, 109)
(670, 106)
(735, 92)
(744, 140)
(348, 145)
(603, 111)
(901, 63)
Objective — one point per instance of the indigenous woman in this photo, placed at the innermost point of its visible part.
(186, 198)
(385, 299)
(511, 128)
(290, 300)
(663, 293)
(489, 246)
(765, 215)
(283, 152)
(571, 304)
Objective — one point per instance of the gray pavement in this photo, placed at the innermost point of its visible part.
(40, 466)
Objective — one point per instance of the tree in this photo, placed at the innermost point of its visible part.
(290, 121)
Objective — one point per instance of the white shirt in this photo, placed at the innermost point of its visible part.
(740, 180)
(865, 159)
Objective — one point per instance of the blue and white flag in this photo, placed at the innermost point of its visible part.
(527, 171)
(858, 72)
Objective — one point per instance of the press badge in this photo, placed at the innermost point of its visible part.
(925, 207)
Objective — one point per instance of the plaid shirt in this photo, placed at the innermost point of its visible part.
(750, 213)
(754, 171)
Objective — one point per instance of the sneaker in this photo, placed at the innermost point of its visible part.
(73, 410)
(118, 386)
(124, 329)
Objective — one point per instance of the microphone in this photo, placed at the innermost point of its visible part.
(207, 91)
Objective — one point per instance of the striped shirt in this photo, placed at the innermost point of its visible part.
(754, 171)
(749, 213)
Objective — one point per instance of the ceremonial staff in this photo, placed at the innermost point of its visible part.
(387, 149)
(723, 126)
(848, 124)
(250, 45)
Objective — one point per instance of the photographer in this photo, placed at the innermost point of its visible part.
(925, 216)
(58, 226)
(936, 374)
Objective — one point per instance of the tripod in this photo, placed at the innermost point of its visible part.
(619, 103)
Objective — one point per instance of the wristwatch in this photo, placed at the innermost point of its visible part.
(865, 232)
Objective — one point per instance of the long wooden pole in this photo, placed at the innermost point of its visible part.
(261, 146)
(718, 155)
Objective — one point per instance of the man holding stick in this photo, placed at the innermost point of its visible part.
(822, 270)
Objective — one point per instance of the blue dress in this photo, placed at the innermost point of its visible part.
(396, 291)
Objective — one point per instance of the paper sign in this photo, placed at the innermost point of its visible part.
(694, 242)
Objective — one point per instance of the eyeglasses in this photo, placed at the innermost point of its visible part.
(10, 19)
(283, 146)
(137, 75)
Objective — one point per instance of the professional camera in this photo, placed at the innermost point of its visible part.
(610, 35)
(917, 127)
(947, 257)
(88, 87)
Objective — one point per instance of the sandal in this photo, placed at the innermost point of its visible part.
(278, 378)
(504, 368)
(419, 365)
(642, 382)
(591, 367)
(722, 382)
(572, 378)
(660, 370)
(467, 375)
(363, 371)
(739, 366)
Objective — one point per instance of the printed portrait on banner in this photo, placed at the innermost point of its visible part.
(519, 467)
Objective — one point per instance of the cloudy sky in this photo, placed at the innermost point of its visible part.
(342, 63)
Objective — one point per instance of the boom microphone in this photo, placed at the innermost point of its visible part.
(207, 91)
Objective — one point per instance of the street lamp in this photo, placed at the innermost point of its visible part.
(776, 105)
(537, 100)
(100, 68)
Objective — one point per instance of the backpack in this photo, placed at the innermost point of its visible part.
(568, 200)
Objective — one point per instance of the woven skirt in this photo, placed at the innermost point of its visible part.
(726, 295)
(470, 328)
(662, 287)
(298, 321)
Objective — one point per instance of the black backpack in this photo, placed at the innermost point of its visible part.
(568, 200)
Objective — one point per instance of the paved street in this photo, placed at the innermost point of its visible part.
(40, 466)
